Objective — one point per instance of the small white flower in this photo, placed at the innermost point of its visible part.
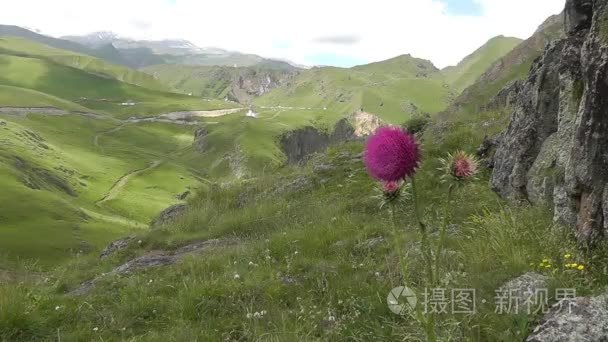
(57, 307)
(264, 312)
(237, 276)
(268, 257)
(150, 281)
(249, 315)
(377, 274)
(331, 318)
(251, 263)
(296, 253)
(140, 242)
(95, 329)
(256, 315)
(123, 329)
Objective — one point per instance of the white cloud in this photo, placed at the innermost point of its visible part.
(293, 29)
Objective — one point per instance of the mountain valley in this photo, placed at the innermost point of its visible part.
(156, 190)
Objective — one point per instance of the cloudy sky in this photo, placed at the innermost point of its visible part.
(311, 32)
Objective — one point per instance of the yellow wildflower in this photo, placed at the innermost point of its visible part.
(545, 261)
(568, 256)
(568, 265)
(541, 264)
(547, 266)
(581, 267)
(574, 265)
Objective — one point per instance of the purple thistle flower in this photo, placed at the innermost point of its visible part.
(391, 154)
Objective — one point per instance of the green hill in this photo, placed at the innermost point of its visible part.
(240, 84)
(92, 91)
(26, 48)
(16, 31)
(261, 250)
(512, 66)
(394, 89)
(474, 65)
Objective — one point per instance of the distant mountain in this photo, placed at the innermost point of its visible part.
(159, 47)
(474, 65)
(114, 57)
(512, 66)
(16, 31)
(404, 65)
(141, 53)
(395, 89)
(21, 47)
(237, 84)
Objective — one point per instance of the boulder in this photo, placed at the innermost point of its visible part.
(525, 285)
(169, 215)
(582, 319)
(116, 246)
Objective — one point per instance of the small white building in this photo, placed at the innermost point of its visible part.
(251, 114)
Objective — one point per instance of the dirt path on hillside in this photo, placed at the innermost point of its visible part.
(110, 131)
(184, 115)
(181, 117)
(122, 181)
(114, 219)
(51, 111)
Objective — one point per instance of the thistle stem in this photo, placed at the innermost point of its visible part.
(426, 251)
(442, 234)
(398, 244)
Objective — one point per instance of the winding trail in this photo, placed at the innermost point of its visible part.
(181, 117)
(122, 181)
(96, 137)
(114, 219)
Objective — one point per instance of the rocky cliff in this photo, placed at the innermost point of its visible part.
(555, 150)
(249, 83)
(301, 143)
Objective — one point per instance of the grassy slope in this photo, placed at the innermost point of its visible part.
(94, 92)
(27, 48)
(210, 81)
(55, 168)
(15, 97)
(207, 81)
(59, 153)
(474, 65)
(390, 89)
(512, 66)
(300, 260)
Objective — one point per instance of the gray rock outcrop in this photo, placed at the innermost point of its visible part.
(155, 259)
(525, 285)
(169, 215)
(582, 319)
(555, 150)
(116, 246)
(299, 144)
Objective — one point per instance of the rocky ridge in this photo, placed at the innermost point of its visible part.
(555, 150)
